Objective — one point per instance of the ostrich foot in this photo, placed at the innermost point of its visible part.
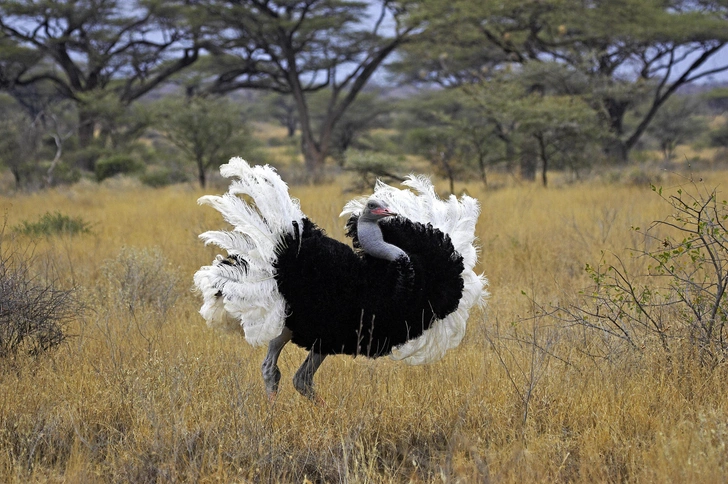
(303, 379)
(271, 373)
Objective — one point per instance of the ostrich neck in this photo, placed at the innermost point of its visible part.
(372, 242)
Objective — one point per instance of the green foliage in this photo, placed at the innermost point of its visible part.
(19, 142)
(208, 131)
(548, 79)
(115, 165)
(675, 123)
(279, 108)
(446, 129)
(370, 166)
(100, 55)
(504, 121)
(716, 99)
(333, 45)
(64, 173)
(719, 136)
(164, 177)
(370, 110)
(617, 54)
(54, 223)
(118, 123)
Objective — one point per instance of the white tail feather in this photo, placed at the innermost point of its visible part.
(248, 295)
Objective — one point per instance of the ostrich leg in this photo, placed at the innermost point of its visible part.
(303, 379)
(271, 373)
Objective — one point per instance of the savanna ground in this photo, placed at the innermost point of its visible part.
(142, 391)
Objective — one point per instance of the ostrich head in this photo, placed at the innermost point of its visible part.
(370, 235)
(375, 210)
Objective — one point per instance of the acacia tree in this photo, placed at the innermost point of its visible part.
(624, 51)
(207, 131)
(282, 109)
(367, 112)
(296, 47)
(33, 137)
(677, 122)
(437, 128)
(90, 48)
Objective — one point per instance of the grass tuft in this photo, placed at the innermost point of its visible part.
(54, 223)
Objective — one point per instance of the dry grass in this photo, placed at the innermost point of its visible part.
(143, 395)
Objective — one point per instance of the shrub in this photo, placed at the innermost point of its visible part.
(34, 311)
(115, 165)
(164, 177)
(54, 224)
(719, 136)
(680, 298)
(141, 280)
(371, 166)
(86, 157)
(63, 174)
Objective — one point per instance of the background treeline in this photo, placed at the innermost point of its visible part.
(170, 90)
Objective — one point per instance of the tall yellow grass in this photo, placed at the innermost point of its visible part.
(135, 396)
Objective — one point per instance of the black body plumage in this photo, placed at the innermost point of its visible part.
(341, 301)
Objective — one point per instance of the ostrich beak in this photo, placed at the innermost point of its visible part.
(383, 212)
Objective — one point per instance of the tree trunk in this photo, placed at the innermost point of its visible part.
(86, 125)
(16, 175)
(59, 151)
(544, 160)
(444, 157)
(201, 176)
(529, 160)
(313, 159)
(481, 165)
(616, 150)
(313, 155)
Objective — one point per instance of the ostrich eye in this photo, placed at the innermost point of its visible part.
(371, 205)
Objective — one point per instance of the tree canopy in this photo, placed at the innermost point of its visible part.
(618, 53)
(306, 46)
(537, 82)
(88, 48)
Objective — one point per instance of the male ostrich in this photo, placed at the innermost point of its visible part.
(404, 291)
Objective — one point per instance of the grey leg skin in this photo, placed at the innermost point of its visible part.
(303, 379)
(271, 373)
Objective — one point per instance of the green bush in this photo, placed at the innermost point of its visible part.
(116, 164)
(85, 157)
(719, 137)
(54, 224)
(370, 166)
(164, 177)
(63, 174)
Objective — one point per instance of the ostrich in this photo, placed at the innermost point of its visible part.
(404, 290)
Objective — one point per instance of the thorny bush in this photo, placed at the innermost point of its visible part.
(34, 309)
(678, 296)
